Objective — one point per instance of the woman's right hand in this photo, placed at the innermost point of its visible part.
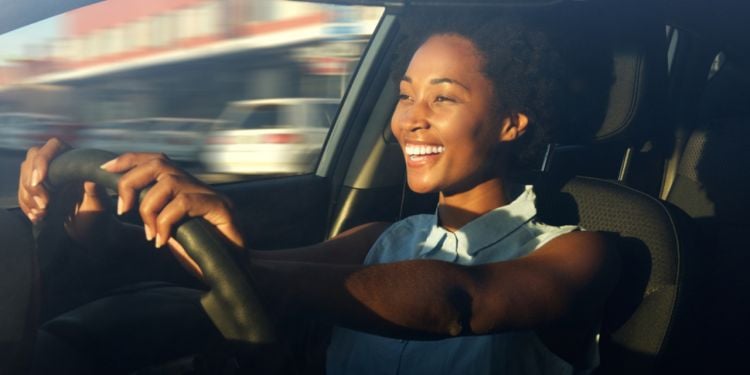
(82, 204)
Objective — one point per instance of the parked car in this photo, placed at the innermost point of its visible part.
(178, 138)
(19, 131)
(116, 136)
(269, 136)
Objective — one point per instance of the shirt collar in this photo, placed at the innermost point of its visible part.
(489, 228)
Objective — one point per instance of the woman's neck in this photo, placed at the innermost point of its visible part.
(457, 209)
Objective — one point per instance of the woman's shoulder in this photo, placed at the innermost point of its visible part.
(395, 243)
(410, 224)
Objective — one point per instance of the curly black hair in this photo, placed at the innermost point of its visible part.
(546, 65)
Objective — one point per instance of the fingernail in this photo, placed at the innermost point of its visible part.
(39, 202)
(120, 205)
(34, 178)
(149, 233)
(159, 242)
(108, 164)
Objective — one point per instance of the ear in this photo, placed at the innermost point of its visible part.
(514, 126)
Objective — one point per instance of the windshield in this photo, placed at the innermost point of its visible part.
(147, 71)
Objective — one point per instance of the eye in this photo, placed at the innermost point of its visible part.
(402, 96)
(441, 98)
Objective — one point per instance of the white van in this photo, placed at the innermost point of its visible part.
(269, 136)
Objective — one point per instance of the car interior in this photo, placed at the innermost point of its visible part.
(665, 172)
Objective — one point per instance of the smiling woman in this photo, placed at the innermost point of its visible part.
(481, 284)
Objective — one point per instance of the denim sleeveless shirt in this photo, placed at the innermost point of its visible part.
(505, 233)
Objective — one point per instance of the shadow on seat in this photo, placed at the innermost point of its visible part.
(647, 323)
(19, 292)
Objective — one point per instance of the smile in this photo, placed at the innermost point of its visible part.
(420, 150)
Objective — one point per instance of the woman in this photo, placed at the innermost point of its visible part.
(480, 286)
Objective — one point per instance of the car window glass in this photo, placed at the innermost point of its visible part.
(130, 75)
(262, 117)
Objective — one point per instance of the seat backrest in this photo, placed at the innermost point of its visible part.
(635, 102)
(648, 319)
(711, 184)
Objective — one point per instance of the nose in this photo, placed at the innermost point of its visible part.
(416, 117)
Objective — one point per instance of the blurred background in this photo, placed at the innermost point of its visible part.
(229, 88)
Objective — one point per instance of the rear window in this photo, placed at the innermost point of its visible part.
(262, 117)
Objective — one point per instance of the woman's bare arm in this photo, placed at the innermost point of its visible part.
(563, 283)
(349, 247)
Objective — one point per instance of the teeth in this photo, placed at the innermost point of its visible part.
(414, 150)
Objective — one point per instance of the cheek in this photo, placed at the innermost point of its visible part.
(394, 126)
(395, 123)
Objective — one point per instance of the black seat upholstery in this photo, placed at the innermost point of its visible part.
(646, 328)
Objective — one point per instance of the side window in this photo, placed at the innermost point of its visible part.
(319, 115)
(108, 79)
(327, 114)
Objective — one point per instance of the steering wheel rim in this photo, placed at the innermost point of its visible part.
(231, 302)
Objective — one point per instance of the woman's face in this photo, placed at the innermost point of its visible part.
(444, 120)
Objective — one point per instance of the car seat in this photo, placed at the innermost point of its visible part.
(648, 327)
(711, 184)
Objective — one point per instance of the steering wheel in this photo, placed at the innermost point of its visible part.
(231, 303)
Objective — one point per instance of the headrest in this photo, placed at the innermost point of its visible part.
(639, 59)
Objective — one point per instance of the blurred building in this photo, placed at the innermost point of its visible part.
(188, 58)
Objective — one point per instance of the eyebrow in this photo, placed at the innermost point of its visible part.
(437, 81)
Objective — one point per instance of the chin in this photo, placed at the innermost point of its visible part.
(422, 187)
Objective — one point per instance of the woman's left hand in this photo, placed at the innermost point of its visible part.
(173, 196)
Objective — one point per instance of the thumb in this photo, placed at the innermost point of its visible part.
(93, 197)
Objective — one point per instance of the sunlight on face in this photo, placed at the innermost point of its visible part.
(444, 120)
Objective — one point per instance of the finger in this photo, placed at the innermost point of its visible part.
(153, 202)
(127, 161)
(35, 171)
(34, 214)
(137, 178)
(43, 157)
(23, 194)
(27, 211)
(24, 180)
(220, 215)
(30, 198)
(27, 167)
(213, 208)
(176, 210)
(93, 198)
(184, 258)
